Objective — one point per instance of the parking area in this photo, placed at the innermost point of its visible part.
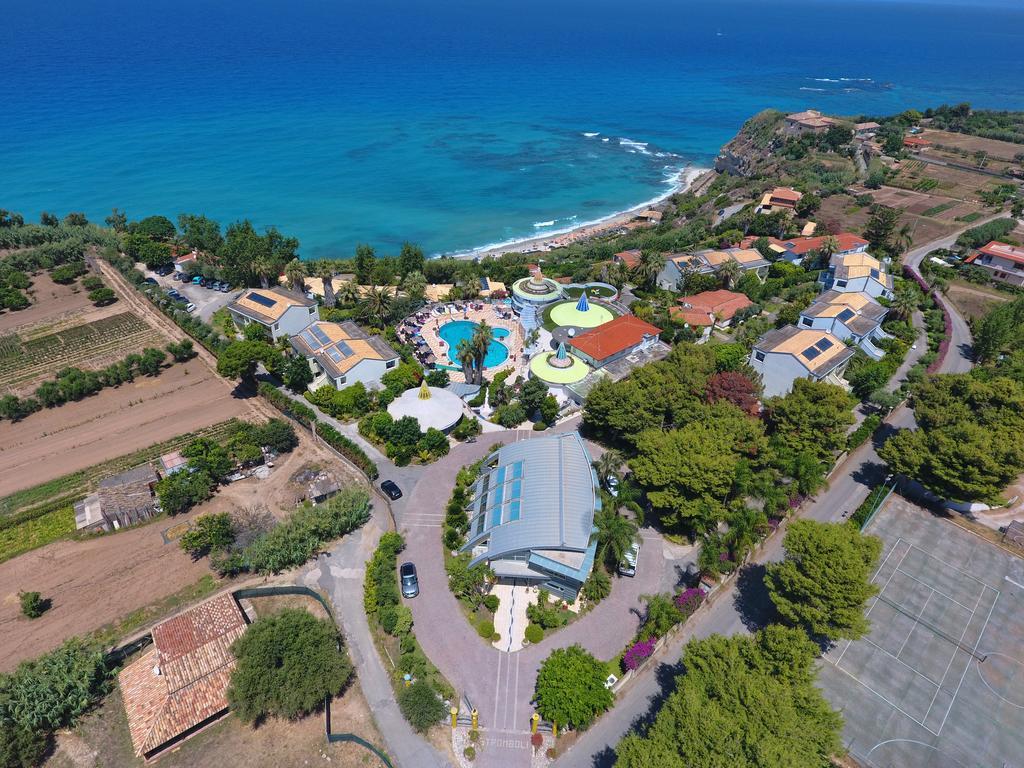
(207, 300)
(939, 679)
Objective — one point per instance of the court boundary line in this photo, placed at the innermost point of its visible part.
(984, 627)
(880, 591)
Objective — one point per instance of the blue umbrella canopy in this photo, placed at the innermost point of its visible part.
(583, 305)
(561, 354)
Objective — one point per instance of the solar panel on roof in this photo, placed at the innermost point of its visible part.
(322, 337)
(874, 273)
(484, 284)
(334, 354)
(344, 349)
(811, 352)
(824, 344)
(307, 337)
(846, 314)
(263, 301)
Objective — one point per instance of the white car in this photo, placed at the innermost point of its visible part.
(628, 565)
(612, 484)
(190, 307)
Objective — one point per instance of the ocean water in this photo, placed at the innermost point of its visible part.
(451, 123)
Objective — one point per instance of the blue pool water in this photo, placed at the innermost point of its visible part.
(457, 330)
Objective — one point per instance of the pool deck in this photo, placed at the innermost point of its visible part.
(514, 341)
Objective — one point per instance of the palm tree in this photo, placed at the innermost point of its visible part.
(295, 273)
(348, 292)
(828, 247)
(614, 536)
(378, 305)
(743, 524)
(650, 264)
(325, 271)
(609, 463)
(415, 285)
(904, 238)
(905, 300)
(481, 342)
(729, 273)
(466, 357)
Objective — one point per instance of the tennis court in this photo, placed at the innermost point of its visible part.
(939, 680)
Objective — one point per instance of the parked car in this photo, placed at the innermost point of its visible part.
(612, 484)
(190, 307)
(150, 281)
(197, 280)
(173, 294)
(410, 583)
(224, 287)
(214, 286)
(164, 271)
(185, 277)
(628, 565)
(391, 490)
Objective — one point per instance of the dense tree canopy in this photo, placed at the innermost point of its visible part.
(743, 701)
(570, 688)
(968, 445)
(823, 582)
(287, 664)
(813, 417)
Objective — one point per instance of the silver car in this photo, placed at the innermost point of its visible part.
(410, 583)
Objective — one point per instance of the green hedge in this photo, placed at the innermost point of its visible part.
(307, 417)
(863, 432)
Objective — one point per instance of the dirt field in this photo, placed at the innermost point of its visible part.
(974, 301)
(51, 302)
(1003, 150)
(102, 741)
(843, 212)
(130, 569)
(116, 421)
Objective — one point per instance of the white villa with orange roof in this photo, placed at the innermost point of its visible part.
(854, 316)
(786, 354)
(340, 354)
(1003, 261)
(858, 273)
(281, 312)
(709, 262)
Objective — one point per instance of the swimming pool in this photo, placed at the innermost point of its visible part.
(457, 330)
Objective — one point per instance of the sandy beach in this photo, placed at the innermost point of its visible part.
(688, 177)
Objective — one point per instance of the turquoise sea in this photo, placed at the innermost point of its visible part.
(452, 123)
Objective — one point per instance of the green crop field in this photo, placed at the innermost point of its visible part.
(91, 345)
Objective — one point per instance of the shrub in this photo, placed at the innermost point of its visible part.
(491, 602)
(287, 664)
(598, 586)
(102, 296)
(469, 753)
(211, 533)
(452, 539)
(863, 432)
(91, 282)
(68, 273)
(32, 604)
(570, 688)
(688, 601)
(534, 633)
(421, 705)
(485, 629)
(639, 652)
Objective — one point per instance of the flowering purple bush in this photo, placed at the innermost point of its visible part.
(637, 652)
(688, 600)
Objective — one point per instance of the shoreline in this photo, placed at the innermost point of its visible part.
(687, 177)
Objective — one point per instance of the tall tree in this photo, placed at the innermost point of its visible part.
(348, 293)
(364, 262)
(325, 271)
(117, 220)
(743, 701)
(377, 304)
(649, 265)
(824, 580)
(814, 416)
(614, 536)
(570, 688)
(295, 274)
(906, 299)
(609, 463)
(200, 233)
(729, 273)
(410, 259)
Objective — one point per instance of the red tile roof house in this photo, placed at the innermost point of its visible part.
(702, 310)
(614, 340)
(795, 249)
(629, 258)
(1003, 261)
(180, 684)
(915, 142)
(779, 199)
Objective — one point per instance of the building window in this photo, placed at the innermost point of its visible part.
(806, 321)
(841, 283)
(277, 326)
(391, 364)
(312, 310)
(341, 379)
(759, 356)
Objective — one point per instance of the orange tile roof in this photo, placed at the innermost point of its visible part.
(786, 194)
(721, 303)
(182, 680)
(1003, 251)
(630, 258)
(613, 337)
(697, 317)
(802, 245)
(916, 141)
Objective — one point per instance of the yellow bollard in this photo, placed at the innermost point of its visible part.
(534, 721)
(475, 723)
(455, 716)
(554, 729)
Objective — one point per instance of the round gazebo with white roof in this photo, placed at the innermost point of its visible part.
(430, 406)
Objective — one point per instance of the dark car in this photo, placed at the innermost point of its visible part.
(393, 491)
(410, 584)
(150, 281)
